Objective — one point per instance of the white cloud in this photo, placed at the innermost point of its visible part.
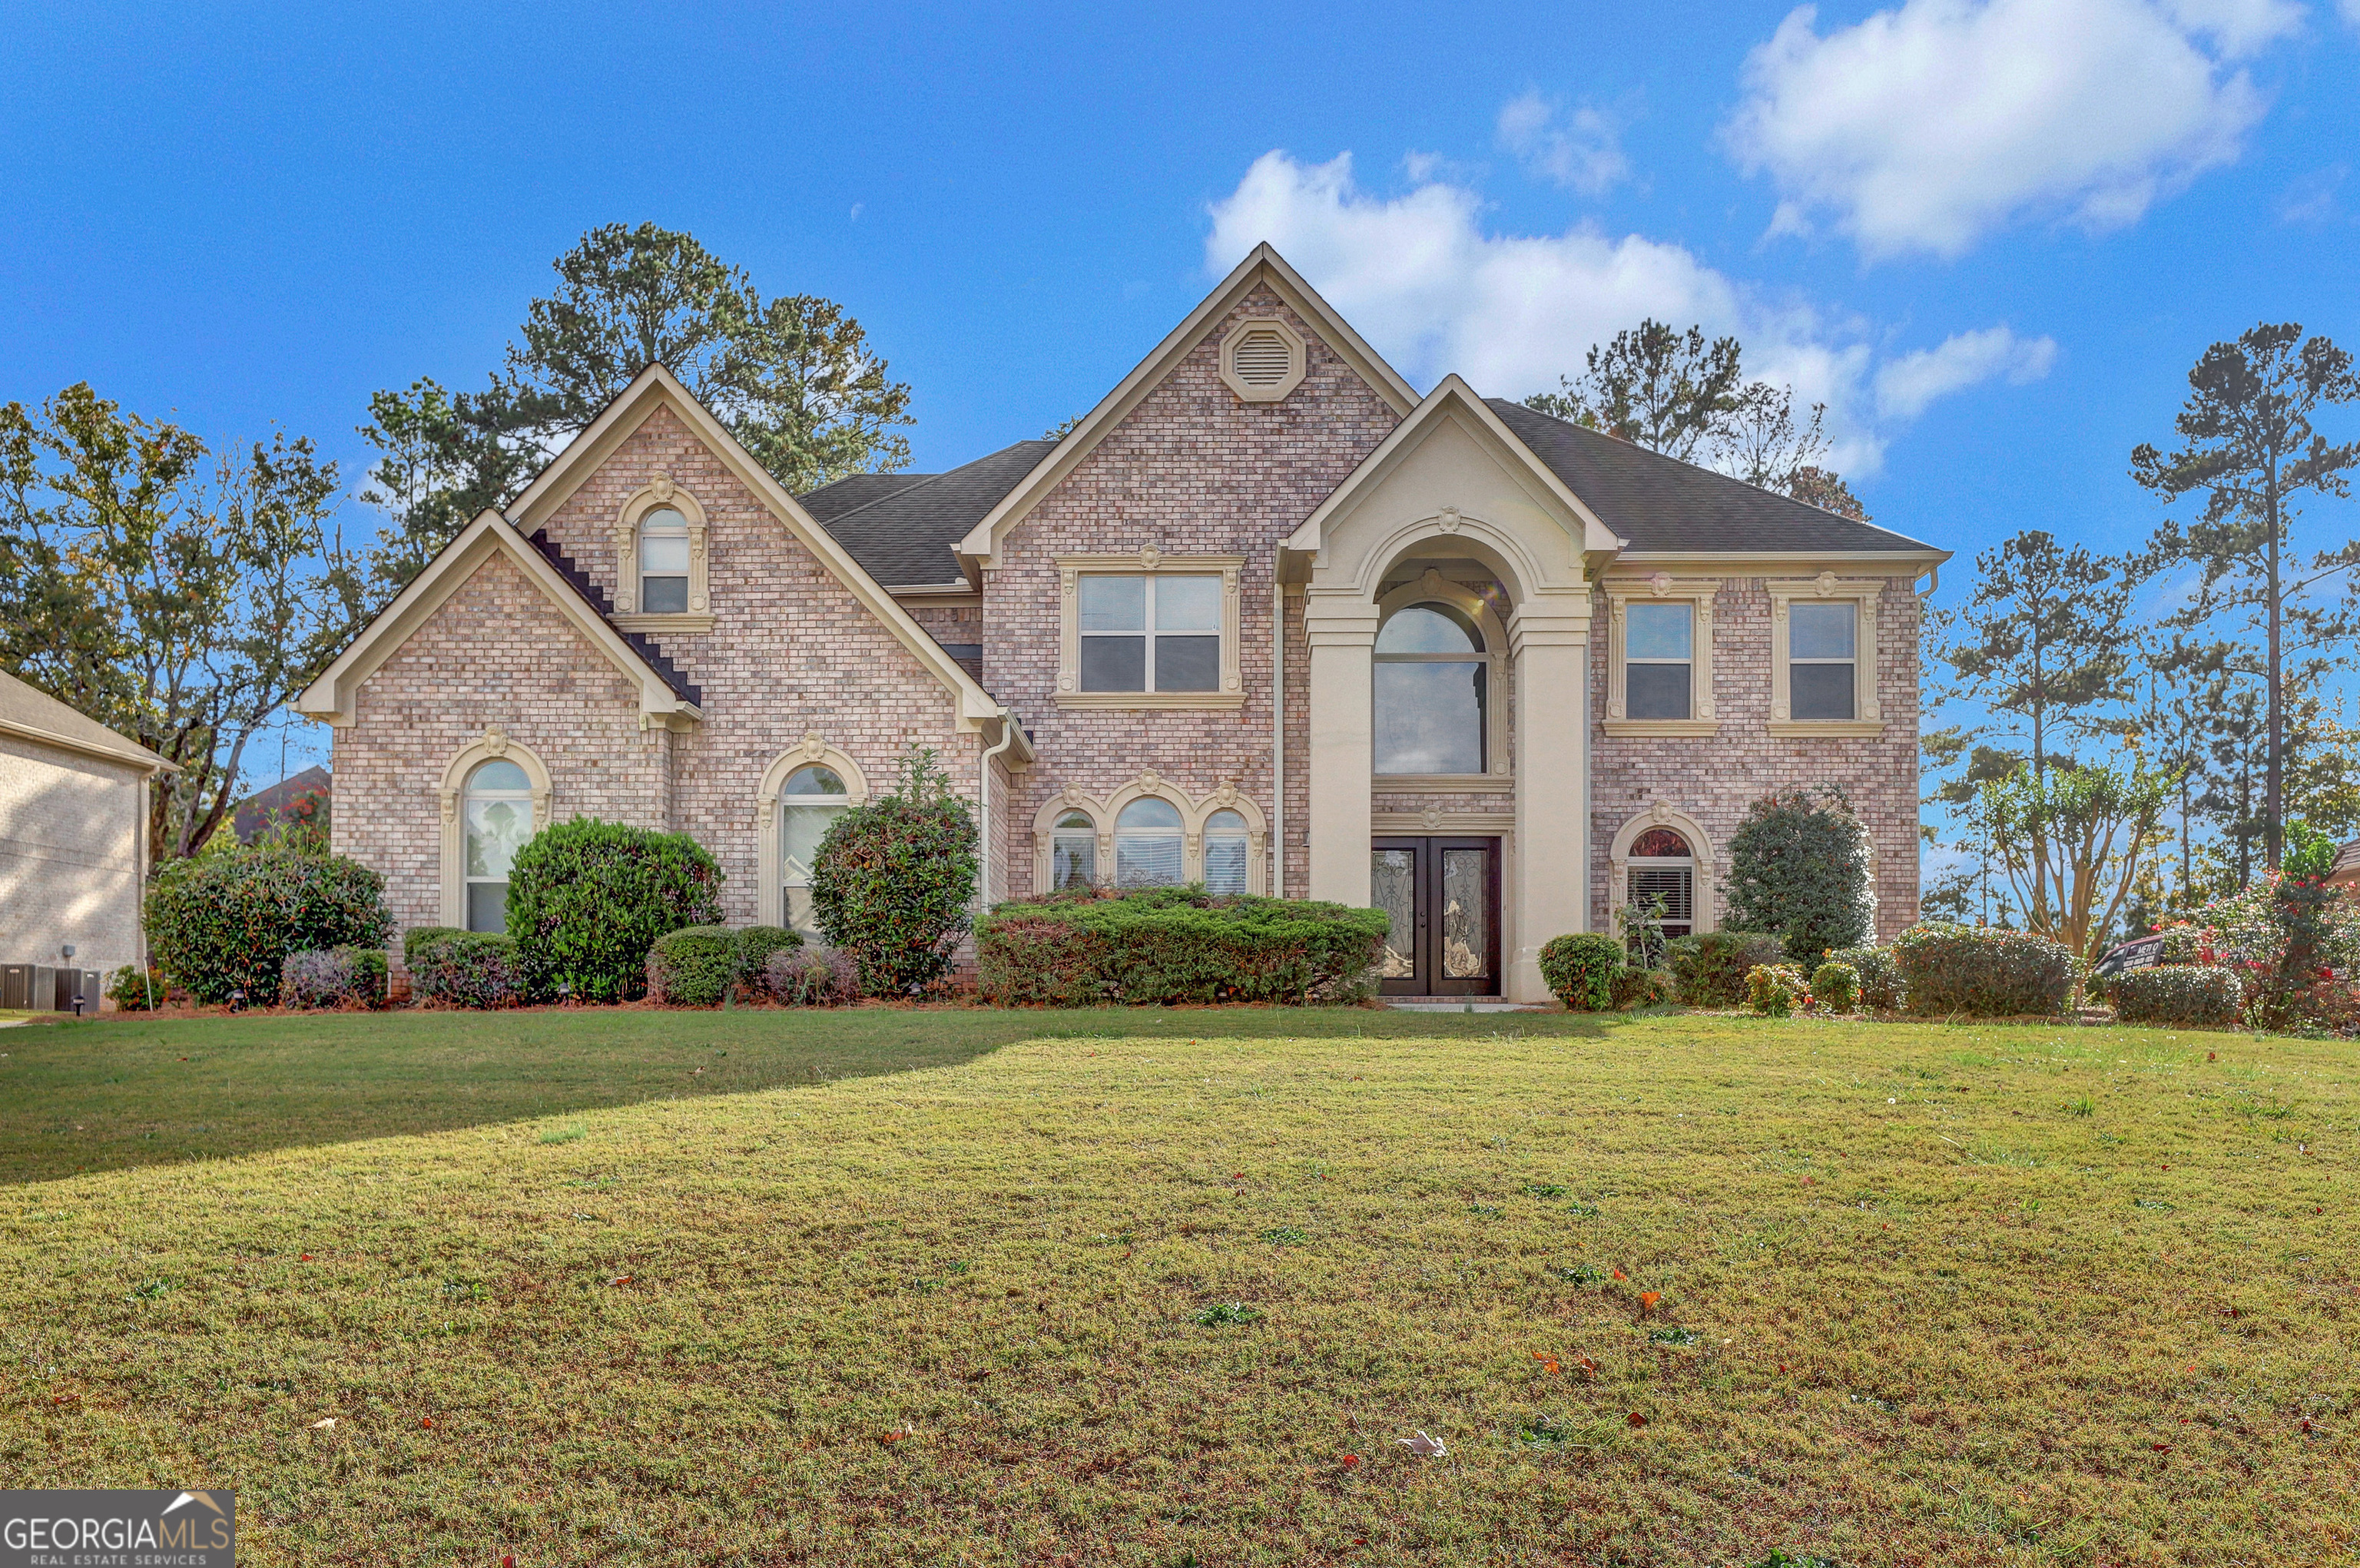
(1926, 127)
(1423, 279)
(1905, 387)
(1579, 148)
(2351, 9)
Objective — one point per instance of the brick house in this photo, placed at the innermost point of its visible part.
(1266, 618)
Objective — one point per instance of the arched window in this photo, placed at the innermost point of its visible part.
(812, 799)
(663, 562)
(1074, 851)
(1147, 844)
(1433, 684)
(1662, 866)
(497, 817)
(1225, 852)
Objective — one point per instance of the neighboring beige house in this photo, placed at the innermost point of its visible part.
(1267, 619)
(74, 833)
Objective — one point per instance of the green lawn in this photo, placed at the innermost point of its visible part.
(868, 1289)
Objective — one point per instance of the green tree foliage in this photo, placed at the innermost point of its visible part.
(793, 377)
(893, 881)
(1676, 393)
(587, 899)
(1798, 870)
(2094, 821)
(178, 596)
(226, 923)
(2248, 447)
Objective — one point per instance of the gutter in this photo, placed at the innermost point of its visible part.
(1008, 733)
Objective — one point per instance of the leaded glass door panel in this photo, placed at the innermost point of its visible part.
(1442, 898)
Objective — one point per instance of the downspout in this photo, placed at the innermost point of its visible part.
(1278, 735)
(983, 805)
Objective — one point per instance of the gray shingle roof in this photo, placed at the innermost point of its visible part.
(904, 528)
(1660, 503)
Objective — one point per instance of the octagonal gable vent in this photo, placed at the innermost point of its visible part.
(1262, 360)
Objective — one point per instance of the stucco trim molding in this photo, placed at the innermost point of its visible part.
(1866, 662)
(770, 897)
(1433, 821)
(1433, 588)
(1148, 561)
(1699, 594)
(1298, 355)
(1617, 857)
(655, 495)
(1194, 811)
(493, 743)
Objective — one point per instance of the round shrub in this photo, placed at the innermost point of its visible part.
(1983, 971)
(464, 968)
(1164, 945)
(344, 977)
(1636, 987)
(1579, 969)
(135, 990)
(812, 977)
(755, 946)
(225, 923)
(419, 939)
(587, 899)
(1774, 990)
(1709, 970)
(1881, 990)
(1799, 868)
(696, 966)
(2196, 994)
(1836, 984)
(894, 880)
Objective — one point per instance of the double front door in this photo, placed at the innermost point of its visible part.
(1442, 898)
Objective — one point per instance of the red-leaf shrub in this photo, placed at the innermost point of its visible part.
(344, 977)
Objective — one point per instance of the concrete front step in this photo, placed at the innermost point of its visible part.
(1460, 1005)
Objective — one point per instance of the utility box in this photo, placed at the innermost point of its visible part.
(82, 982)
(16, 988)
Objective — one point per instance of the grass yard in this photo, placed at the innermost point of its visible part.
(913, 1288)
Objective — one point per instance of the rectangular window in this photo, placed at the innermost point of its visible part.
(1822, 659)
(1659, 660)
(663, 574)
(1150, 633)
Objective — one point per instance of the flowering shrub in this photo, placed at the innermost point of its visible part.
(1836, 984)
(345, 978)
(2284, 937)
(812, 977)
(1579, 969)
(223, 923)
(1775, 990)
(1984, 971)
(1709, 970)
(1881, 990)
(135, 990)
(462, 969)
(1175, 944)
(2178, 994)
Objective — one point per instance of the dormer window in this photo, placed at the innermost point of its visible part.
(663, 562)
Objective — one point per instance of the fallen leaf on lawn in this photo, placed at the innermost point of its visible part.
(2306, 1425)
(1352, 1459)
(1809, 1181)
(305, 1258)
(1647, 1300)
(1585, 1363)
(1636, 1419)
(1425, 1447)
(329, 1424)
(1619, 1274)
(426, 1420)
(620, 1279)
(893, 1437)
(2161, 1447)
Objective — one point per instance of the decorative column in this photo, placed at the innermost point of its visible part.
(1341, 628)
(1549, 639)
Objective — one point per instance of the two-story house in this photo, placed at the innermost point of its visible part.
(1266, 619)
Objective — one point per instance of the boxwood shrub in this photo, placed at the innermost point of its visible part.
(1172, 944)
(225, 923)
(2178, 994)
(344, 977)
(1881, 990)
(587, 899)
(462, 969)
(1983, 971)
(696, 966)
(755, 946)
(1709, 970)
(1636, 987)
(1579, 969)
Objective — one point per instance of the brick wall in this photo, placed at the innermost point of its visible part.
(1194, 471)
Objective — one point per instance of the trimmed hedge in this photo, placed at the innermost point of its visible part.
(1983, 971)
(812, 977)
(696, 966)
(755, 946)
(1881, 990)
(587, 900)
(1709, 970)
(225, 923)
(463, 968)
(1836, 984)
(1173, 944)
(1579, 969)
(344, 977)
(2178, 994)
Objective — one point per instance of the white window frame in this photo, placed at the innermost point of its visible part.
(1698, 595)
(1148, 562)
(660, 495)
(1498, 774)
(770, 823)
(1244, 836)
(1619, 858)
(493, 744)
(1104, 811)
(1863, 594)
(1177, 833)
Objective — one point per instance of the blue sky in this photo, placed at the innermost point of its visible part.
(1992, 237)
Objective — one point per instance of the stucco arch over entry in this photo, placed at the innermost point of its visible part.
(1453, 480)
